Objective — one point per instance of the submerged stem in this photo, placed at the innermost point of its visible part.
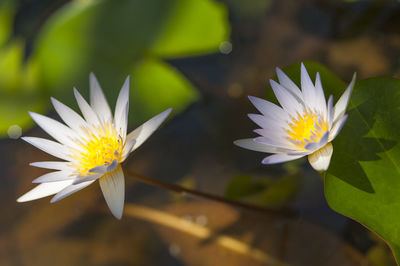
(199, 194)
(177, 223)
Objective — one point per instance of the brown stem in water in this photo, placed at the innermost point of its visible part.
(198, 194)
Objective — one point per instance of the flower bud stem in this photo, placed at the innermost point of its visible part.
(198, 194)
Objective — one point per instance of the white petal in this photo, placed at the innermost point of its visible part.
(128, 147)
(317, 145)
(280, 158)
(122, 109)
(286, 99)
(286, 82)
(277, 134)
(341, 105)
(279, 143)
(330, 111)
(337, 127)
(44, 190)
(320, 95)
(144, 131)
(98, 101)
(51, 147)
(69, 116)
(80, 179)
(307, 87)
(269, 109)
(70, 190)
(112, 166)
(87, 111)
(268, 123)
(321, 158)
(298, 153)
(54, 177)
(250, 144)
(102, 169)
(51, 165)
(113, 187)
(58, 131)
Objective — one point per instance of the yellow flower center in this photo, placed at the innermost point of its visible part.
(306, 128)
(101, 146)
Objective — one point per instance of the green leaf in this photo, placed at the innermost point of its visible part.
(114, 38)
(7, 11)
(363, 181)
(18, 91)
(156, 86)
(193, 27)
(14, 110)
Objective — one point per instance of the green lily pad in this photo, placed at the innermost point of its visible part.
(363, 180)
(193, 27)
(114, 38)
(14, 110)
(156, 86)
(7, 11)
(18, 91)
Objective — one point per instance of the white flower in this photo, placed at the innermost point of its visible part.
(92, 147)
(304, 125)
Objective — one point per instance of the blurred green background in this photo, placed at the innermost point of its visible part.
(202, 57)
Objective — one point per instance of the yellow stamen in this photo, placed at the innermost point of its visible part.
(101, 146)
(306, 128)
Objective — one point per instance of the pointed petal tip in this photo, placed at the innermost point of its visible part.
(282, 157)
(32, 114)
(237, 142)
(54, 199)
(54, 101)
(266, 161)
(254, 99)
(168, 111)
(273, 82)
(113, 188)
(93, 79)
(20, 199)
(126, 84)
(353, 80)
(251, 115)
(117, 215)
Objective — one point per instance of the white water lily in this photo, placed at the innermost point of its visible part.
(304, 125)
(92, 147)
